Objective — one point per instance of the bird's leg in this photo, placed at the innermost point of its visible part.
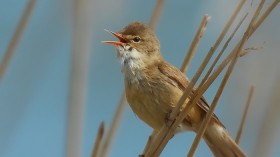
(167, 119)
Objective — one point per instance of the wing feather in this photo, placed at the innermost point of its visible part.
(181, 81)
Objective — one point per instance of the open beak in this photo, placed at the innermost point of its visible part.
(121, 41)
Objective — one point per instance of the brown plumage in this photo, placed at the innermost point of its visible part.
(153, 88)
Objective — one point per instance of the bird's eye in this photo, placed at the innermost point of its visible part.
(136, 39)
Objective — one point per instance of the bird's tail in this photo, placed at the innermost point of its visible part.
(220, 142)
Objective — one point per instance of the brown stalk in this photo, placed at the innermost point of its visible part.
(149, 143)
(192, 50)
(98, 140)
(156, 13)
(167, 131)
(16, 37)
(264, 15)
(222, 51)
(223, 83)
(224, 63)
(206, 60)
(82, 39)
(197, 97)
(248, 103)
(113, 128)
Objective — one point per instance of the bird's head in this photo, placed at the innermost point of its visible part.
(136, 42)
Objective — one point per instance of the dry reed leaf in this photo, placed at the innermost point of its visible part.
(98, 140)
(16, 37)
(248, 103)
(192, 50)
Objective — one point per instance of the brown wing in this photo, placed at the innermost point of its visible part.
(182, 82)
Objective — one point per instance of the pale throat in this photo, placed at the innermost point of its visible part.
(131, 63)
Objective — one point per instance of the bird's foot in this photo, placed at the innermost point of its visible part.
(168, 120)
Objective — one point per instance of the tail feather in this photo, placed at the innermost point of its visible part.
(220, 142)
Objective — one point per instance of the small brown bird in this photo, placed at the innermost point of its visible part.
(153, 88)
